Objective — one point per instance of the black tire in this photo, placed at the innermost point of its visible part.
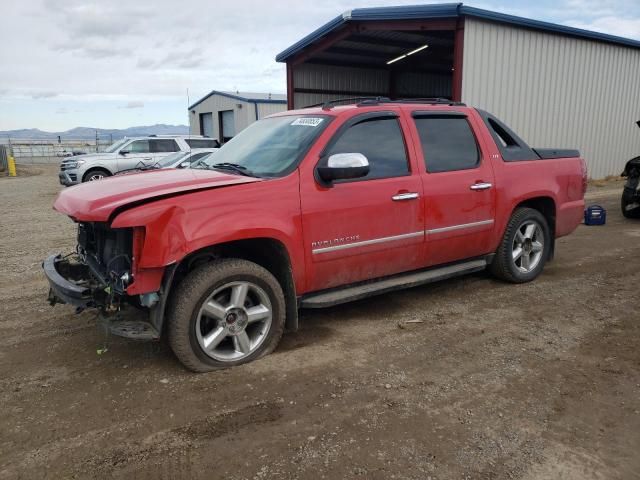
(503, 265)
(95, 172)
(635, 213)
(189, 296)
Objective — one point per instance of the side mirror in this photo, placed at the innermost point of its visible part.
(341, 166)
(123, 152)
(184, 165)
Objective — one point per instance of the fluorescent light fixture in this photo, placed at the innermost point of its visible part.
(417, 50)
(407, 54)
(396, 59)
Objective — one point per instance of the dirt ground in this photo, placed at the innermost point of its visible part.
(535, 381)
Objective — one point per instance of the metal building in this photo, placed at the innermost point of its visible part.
(222, 115)
(557, 86)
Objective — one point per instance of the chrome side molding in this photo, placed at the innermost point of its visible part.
(459, 227)
(363, 243)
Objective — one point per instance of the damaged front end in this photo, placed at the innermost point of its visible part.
(97, 276)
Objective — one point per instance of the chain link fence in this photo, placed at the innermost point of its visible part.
(27, 151)
(4, 158)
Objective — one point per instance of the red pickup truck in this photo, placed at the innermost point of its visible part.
(312, 208)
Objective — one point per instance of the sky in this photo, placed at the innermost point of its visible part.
(122, 63)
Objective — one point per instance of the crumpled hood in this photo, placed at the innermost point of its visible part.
(96, 201)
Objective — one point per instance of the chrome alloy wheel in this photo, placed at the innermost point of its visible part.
(233, 321)
(528, 246)
(96, 176)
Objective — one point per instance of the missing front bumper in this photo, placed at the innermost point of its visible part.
(69, 282)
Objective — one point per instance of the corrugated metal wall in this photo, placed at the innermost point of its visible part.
(417, 84)
(352, 81)
(557, 91)
(355, 82)
(265, 109)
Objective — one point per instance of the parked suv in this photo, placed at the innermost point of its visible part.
(308, 209)
(127, 154)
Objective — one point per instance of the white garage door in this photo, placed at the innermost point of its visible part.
(228, 125)
(206, 124)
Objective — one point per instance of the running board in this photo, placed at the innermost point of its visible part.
(388, 284)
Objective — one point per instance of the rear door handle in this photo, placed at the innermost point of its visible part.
(404, 196)
(480, 186)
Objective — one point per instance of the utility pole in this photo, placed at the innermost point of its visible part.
(96, 141)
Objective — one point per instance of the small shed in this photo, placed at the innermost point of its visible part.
(222, 115)
(557, 86)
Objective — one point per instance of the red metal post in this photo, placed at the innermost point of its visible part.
(458, 45)
(289, 86)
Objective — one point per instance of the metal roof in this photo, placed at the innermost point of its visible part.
(444, 10)
(249, 97)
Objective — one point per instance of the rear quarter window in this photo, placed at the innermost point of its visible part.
(511, 146)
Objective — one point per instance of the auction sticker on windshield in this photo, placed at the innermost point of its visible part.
(308, 121)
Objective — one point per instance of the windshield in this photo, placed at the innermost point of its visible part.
(171, 159)
(116, 146)
(269, 147)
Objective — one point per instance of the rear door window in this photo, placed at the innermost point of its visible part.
(203, 143)
(379, 139)
(163, 146)
(447, 144)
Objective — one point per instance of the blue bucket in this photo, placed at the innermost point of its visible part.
(595, 215)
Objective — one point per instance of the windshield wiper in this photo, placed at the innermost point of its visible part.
(234, 167)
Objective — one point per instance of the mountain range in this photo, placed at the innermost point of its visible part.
(86, 133)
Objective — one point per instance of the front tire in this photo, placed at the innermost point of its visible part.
(524, 249)
(95, 175)
(225, 313)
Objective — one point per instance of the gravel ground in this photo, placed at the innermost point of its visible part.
(535, 381)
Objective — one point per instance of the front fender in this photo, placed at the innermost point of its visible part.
(99, 164)
(180, 225)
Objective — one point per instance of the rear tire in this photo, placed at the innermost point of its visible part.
(225, 313)
(95, 174)
(524, 249)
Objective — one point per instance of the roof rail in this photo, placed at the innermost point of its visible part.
(431, 100)
(367, 101)
(331, 103)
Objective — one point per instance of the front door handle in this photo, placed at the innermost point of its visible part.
(404, 196)
(480, 186)
(147, 158)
